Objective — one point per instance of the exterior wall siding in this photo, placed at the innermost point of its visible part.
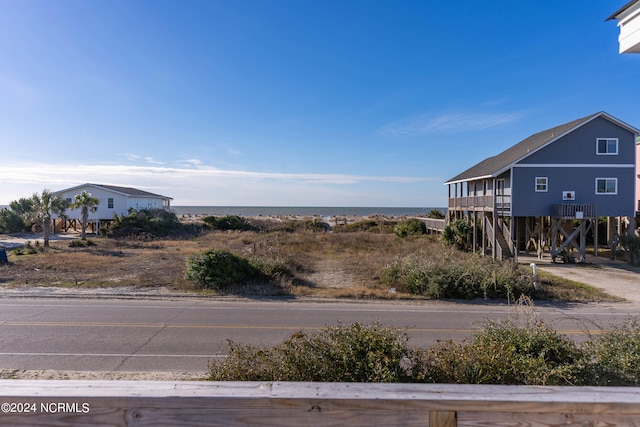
(527, 202)
(579, 146)
(575, 149)
(121, 203)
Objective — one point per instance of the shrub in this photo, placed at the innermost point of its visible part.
(81, 243)
(613, 358)
(631, 244)
(277, 268)
(435, 213)
(503, 353)
(155, 222)
(228, 222)
(14, 219)
(219, 268)
(355, 353)
(455, 234)
(409, 227)
(316, 224)
(370, 225)
(453, 274)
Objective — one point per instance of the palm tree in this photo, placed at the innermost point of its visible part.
(44, 206)
(86, 202)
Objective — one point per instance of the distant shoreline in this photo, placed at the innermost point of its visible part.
(300, 211)
(323, 211)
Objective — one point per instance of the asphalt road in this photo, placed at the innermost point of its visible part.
(183, 335)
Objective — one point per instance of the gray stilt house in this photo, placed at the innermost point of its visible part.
(547, 191)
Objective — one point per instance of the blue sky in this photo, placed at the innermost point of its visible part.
(294, 102)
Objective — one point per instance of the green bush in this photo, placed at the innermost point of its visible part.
(228, 222)
(455, 234)
(410, 227)
(453, 274)
(219, 268)
(370, 225)
(14, 219)
(81, 243)
(503, 353)
(276, 268)
(154, 222)
(435, 213)
(631, 244)
(613, 358)
(354, 353)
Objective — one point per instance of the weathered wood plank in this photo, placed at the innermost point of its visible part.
(442, 419)
(163, 403)
(486, 419)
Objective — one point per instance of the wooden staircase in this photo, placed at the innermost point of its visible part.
(503, 247)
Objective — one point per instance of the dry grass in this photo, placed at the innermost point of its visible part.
(337, 265)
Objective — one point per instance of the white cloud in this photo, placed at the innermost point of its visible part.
(153, 161)
(207, 185)
(424, 124)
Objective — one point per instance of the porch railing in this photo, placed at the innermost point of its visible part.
(573, 211)
(503, 202)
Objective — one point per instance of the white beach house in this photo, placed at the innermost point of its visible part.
(113, 200)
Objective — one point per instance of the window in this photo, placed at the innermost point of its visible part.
(607, 146)
(606, 185)
(542, 184)
(110, 202)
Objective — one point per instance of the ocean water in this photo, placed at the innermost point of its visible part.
(252, 211)
(323, 211)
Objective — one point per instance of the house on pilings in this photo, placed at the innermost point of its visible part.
(547, 191)
(112, 201)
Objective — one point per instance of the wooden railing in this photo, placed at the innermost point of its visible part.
(503, 202)
(434, 225)
(161, 403)
(573, 211)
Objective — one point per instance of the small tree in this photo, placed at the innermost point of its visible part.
(44, 206)
(86, 203)
(14, 219)
(435, 213)
(456, 234)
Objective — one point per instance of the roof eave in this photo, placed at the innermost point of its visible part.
(621, 10)
(473, 178)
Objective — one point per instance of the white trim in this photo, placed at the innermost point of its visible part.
(477, 178)
(546, 184)
(576, 165)
(607, 194)
(602, 114)
(598, 153)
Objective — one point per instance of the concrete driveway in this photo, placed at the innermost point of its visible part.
(614, 277)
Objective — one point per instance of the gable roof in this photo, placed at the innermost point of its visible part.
(126, 191)
(622, 10)
(494, 166)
